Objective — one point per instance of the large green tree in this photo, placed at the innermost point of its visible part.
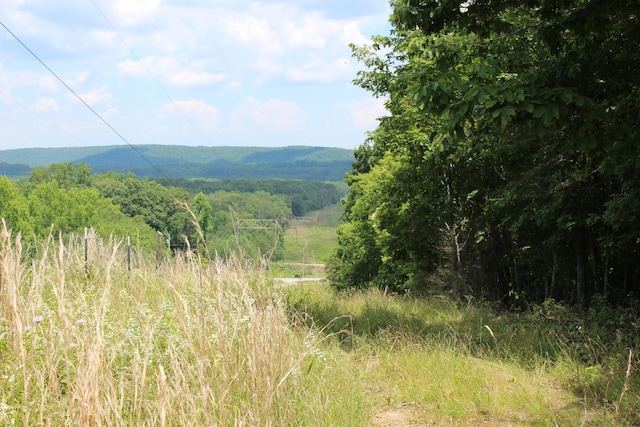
(512, 146)
(159, 206)
(13, 208)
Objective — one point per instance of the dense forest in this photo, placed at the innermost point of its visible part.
(509, 163)
(67, 197)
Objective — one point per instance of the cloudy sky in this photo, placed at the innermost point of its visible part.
(188, 72)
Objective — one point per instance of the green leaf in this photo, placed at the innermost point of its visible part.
(539, 111)
(472, 94)
(566, 96)
(482, 70)
(509, 111)
(504, 118)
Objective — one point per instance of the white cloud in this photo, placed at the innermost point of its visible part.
(256, 32)
(198, 112)
(139, 68)
(80, 78)
(134, 12)
(275, 113)
(290, 43)
(168, 70)
(351, 33)
(49, 84)
(46, 104)
(311, 30)
(104, 38)
(364, 113)
(187, 78)
(94, 96)
(321, 71)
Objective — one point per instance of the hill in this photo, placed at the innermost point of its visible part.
(177, 161)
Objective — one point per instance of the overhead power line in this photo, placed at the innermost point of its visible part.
(41, 117)
(84, 102)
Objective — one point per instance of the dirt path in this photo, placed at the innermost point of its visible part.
(399, 416)
(291, 281)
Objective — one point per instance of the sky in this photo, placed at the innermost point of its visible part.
(268, 73)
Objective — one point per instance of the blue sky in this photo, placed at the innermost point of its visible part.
(186, 72)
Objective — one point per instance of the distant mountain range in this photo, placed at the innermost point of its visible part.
(177, 161)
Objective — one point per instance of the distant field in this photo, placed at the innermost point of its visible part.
(309, 242)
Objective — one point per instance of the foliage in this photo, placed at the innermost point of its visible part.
(13, 208)
(146, 198)
(68, 197)
(303, 196)
(62, 198)
(510, 155)
(203, 212)
(227, 208)
(67, 175)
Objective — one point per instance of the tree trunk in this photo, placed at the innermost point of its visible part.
(580, 278)
(552, 286)
(605, 279)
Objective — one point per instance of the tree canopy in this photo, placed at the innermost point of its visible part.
(66, 198)
(511, 154)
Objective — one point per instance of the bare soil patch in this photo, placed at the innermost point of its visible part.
(398, 416)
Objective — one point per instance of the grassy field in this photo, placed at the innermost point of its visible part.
(183, 343)
(433, 361)
(216, 343)
(309, 242)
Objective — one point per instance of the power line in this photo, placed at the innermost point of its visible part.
(84, 102)
(175, 104)
(11, 98)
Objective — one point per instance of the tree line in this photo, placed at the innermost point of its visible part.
(303, 196)
(66, 198)
(509, 161)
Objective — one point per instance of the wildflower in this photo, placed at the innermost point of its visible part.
(73, 345)
(81, 321)
(38, 319)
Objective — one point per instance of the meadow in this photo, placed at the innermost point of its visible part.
(215, 342)
(308, 243)
(182, 342)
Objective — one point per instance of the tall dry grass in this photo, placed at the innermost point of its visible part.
(189, 343)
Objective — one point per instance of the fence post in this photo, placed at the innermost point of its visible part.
(159, 250)
(86, 252)
(129, 253)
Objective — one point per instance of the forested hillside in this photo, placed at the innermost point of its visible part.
(175, 161)
(510, 160)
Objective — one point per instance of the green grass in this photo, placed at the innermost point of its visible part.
(447, 363)
(309, 244)
(214, 342)
(190, 342)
